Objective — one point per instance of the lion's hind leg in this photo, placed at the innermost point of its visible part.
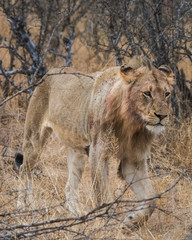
(25, 169)
(76, 163)
(24, 164)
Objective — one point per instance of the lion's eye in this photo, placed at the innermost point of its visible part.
(147, 94)
(167, 94)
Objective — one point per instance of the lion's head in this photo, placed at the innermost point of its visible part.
(142, 97)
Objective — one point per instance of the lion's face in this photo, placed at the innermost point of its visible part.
(153, 101)
(149, 97)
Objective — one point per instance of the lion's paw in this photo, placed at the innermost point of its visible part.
(133, 221)
(130, 223)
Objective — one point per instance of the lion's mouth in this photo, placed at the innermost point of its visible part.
(153, 125)
(159, 124)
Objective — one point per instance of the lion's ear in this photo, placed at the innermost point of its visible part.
(170, 75)
(128, 74)
(125, 69)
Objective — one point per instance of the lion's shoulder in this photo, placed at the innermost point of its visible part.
(105, 79)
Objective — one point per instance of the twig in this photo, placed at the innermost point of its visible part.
(41, 81)
(92, 215)
(21, 91)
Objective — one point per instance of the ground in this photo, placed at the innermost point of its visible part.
(48, 218)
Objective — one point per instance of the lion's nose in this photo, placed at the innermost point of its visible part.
(160, 116)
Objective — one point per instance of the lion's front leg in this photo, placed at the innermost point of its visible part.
(99, 173)
(136, 175)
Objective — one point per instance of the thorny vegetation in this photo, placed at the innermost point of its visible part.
(90, 35)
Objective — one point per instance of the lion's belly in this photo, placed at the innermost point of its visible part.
(68, 134)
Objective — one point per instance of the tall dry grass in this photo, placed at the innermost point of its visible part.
(171, 156)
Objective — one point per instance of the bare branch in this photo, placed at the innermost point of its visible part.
(102, 212)
(18, 28)
(38, 83)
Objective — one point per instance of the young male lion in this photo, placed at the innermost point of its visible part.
(132, 102)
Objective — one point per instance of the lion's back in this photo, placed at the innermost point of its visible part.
(70, 92)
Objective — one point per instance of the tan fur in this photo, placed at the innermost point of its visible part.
(81, 110)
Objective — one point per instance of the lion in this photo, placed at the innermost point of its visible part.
(133, 101)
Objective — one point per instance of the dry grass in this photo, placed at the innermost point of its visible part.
(171, 155)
